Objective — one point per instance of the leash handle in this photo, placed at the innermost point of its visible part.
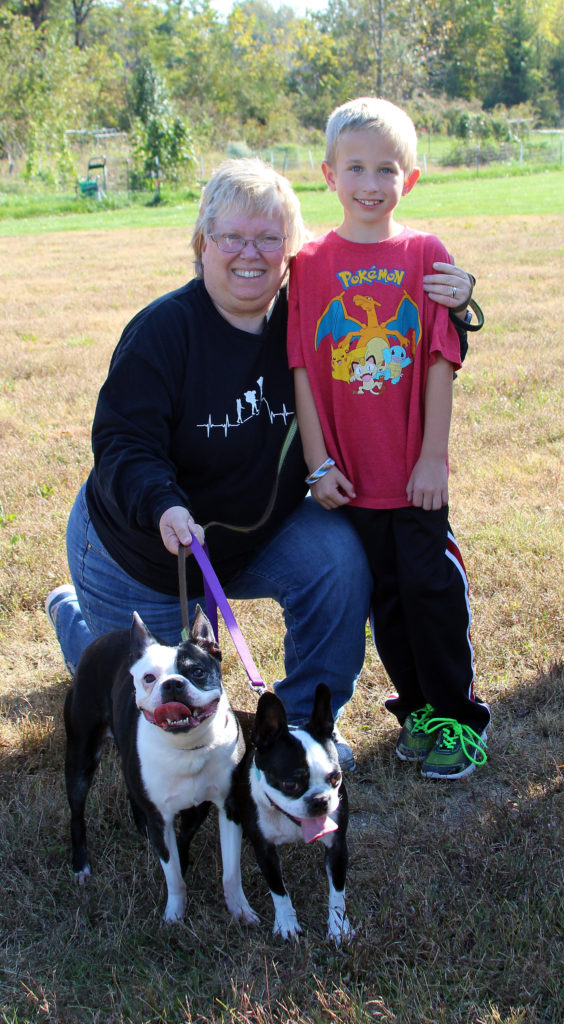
(215, 598)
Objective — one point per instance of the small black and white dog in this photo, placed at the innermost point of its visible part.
(288, 789)
(178, 740)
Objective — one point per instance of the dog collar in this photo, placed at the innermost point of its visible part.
(281, 810)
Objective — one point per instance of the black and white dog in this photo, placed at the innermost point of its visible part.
(288, 789)
(178, 740)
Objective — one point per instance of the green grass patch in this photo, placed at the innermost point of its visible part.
(171, 213)
(459, 194)
(465, 194)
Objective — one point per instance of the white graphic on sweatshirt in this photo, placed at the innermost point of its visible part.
(256, 402)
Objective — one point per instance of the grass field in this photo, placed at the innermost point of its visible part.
(461, 193)
(455, 891)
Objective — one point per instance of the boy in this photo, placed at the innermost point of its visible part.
(374, 360)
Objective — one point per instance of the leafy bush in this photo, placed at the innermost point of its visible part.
(238, 150)
(479, 124)
(162, 146)
(161, 141)
(466, 156)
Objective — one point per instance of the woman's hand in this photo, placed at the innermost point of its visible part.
(451, 286)
(177, 527)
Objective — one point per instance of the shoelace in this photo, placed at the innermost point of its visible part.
(421, 717)
(453, 731)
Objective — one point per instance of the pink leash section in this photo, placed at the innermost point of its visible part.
(215, 598)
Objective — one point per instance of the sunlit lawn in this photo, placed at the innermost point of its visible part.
(455, 892)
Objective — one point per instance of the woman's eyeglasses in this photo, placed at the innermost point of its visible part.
(236, 243)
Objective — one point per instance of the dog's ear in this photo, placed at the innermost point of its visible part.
(270, 721)
(139, 638)
(203, 635)
(322, 723)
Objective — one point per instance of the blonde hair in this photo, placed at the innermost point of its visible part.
(251, 187)
(380, 115)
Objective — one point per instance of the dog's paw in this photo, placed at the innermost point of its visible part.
(339, 929)
(174, 910)
(83, 875)
(240, 908)
(287, 931)
(285, 919)
(248, 915)
(288, 934)
(245, 914)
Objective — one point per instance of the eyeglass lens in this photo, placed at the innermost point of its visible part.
(236, 243)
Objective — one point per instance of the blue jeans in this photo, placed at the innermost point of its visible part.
(314, 567)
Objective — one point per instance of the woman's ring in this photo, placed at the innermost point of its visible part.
(454, 293)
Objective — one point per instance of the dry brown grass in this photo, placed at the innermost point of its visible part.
(456, 891)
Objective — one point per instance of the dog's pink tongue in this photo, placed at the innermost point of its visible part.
(314, 828)
(173, 712)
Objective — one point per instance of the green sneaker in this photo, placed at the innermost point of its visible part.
(457, 750)
(414, 742)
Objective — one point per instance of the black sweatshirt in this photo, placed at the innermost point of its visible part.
(194, 412)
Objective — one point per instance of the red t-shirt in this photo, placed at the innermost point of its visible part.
(366, 332)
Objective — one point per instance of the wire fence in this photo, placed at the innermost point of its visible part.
(102, 160)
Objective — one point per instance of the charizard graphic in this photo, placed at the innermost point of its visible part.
(389, 344)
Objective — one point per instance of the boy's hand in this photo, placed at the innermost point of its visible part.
(427, 486)
(333, 489)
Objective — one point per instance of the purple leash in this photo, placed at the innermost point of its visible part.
(215, 598)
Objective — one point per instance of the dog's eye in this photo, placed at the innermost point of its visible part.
(290, 786)
(335, 779)
(196, 671)
(149, 678)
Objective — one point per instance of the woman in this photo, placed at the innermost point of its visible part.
(187, 436)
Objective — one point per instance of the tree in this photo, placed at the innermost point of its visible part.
(376, 43)
(231, 78)
(315, 78)
(258, 92)
(80, 9)
(556, 57)
(161, 140)
(260, 75)
(17, 80)
(37, 11)
(513, 83)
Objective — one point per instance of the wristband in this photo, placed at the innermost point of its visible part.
(320, 472)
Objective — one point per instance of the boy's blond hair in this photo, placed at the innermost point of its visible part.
(382, 116)
(252, 187)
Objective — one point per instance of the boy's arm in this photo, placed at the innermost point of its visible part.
(427, 487)
(333, 489)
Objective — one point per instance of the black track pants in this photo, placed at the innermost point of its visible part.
(420, 612)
